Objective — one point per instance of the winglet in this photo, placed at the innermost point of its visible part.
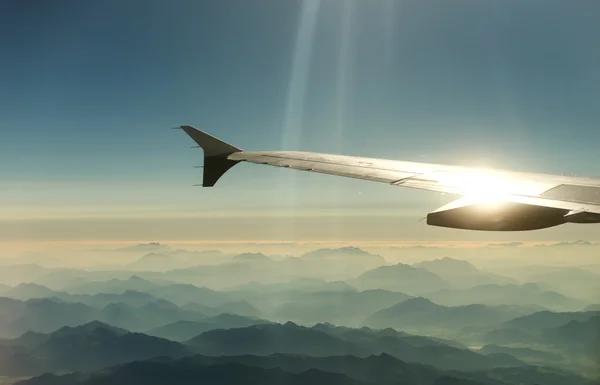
(215, 155)
(211, 145)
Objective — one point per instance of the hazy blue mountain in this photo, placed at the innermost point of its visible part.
(218, 276)
(147, 316)
(27, 291)
(380, 369)
(162, 312)
(344, 262)
(152, 247)
(15, 274)
(529, 294)
(269, 339)
(576, 338)
(329, 264)
(594, 307)
(47, 315)
(534, 375)
(528, 355)
(384, 369)
(154, 261)
(572, 281)
(129, 297)
(508, 335)
(124, 316)
(299, 284)
(115, 286)
(160, 373)
(402, 278)
(345, 308)
(72, 280)
(419, 313)
(547, 320)
(242, 308)
(30, 339)
(181, 331)
(365, 333)
(186, 330)
(251, 257)
(461, 273)
(87, 347)
(293, 339)
(304, 370)
(182, 294)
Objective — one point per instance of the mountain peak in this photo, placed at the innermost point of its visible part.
(251, 257)
(447, 262)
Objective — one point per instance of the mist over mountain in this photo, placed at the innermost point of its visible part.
(252, 257)
(528, 294)
(87, 347)
(13, 275)
(153, 262)
(293, 339)
(402, 278)
(155, 373)
(185, 330)
(572, 281)
(298, 284)
(25, 291)
(441, 321)
(114, 286)
(461, 273)
(342, 308)
(419, 313)
(151, 247)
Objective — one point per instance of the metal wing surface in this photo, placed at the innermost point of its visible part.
(521, 201)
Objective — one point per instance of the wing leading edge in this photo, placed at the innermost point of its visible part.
(521, 201)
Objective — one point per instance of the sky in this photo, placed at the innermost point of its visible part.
(90, 90)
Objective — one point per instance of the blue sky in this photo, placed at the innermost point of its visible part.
(89, 91)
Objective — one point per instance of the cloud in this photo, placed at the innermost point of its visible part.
(506, 244)
(567, 244)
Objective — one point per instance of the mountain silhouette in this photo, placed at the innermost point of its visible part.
(182, 294)
(402, 278)
(186, 330)
(528, 355)
(546, 320)
(461, 273)
(25, 291)
(348, 307)
(154, 262)
(251, 257)
(87, 347)
(269, 339)
(381, 369)
(46, 315)
(293, 339)
(417, 313)
(115, 286)
(529, 294)
(160, 373)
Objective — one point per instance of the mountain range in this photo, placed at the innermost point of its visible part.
(420, 313)
(299, 370)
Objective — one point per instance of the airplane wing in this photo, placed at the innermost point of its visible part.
(490, 200)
